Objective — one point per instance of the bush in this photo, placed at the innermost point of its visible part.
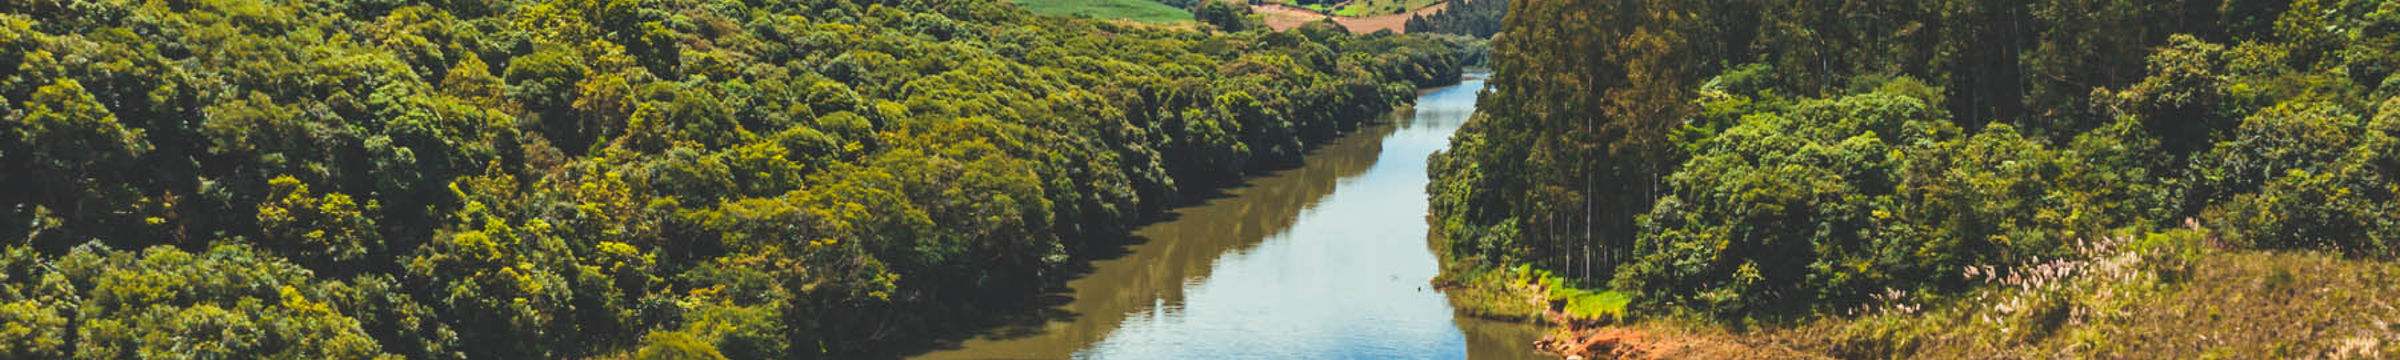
(1774, 212)
(2308, 175)
(1846, 198)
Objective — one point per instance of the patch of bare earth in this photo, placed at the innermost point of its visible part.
(1660, 342)
(1286, 17)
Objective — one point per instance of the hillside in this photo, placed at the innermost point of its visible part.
(2213, 304)
(1929, 179)
(611, 179)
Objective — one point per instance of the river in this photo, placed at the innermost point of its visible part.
(1328, 260)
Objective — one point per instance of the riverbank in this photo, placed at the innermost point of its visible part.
(1150, 266)
(2186, 301)
(1314, 261)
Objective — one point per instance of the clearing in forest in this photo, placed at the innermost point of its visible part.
(1136, 10)
(1379, 8)
(1285, 17)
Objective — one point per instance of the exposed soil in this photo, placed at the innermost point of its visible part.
(1651, 342)
(1286, 17)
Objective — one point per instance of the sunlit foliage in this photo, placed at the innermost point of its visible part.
(611, 178)
(1751, 159)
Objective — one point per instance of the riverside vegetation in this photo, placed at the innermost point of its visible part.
(1958, 178)
(610, 178)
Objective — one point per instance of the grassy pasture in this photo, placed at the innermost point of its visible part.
(1136, 10)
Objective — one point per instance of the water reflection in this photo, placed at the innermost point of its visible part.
(1327, 260)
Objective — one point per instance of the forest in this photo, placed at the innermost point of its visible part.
(1771, 163)
(611, 178)
(1475, 18)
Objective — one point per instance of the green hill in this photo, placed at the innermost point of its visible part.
(2010, 179)
(611, 178)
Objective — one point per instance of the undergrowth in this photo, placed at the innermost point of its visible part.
(1525, 294)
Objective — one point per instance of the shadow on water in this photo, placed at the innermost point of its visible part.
(1153, 264)
(1148, 277)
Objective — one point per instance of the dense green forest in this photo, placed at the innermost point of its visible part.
(1752, 160)
(578, 178)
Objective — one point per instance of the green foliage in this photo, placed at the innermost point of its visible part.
(742, 332)
(72, 156)
(227, 302)
(673, 345)
(33, 330)
(2308, 175)
(1225, 16)
(1475, 18)
(1586, 304)
(1828, 200)
(1571, 139)
(1596, 305)
(70, 132)
(567, 179)
(2289, 137)
(324, 229)
(1830, 153)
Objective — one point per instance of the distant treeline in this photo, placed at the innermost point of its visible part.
(610, 178)
(1187, 4)
(1475, 18)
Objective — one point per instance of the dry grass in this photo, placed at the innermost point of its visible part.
(1285, 17)
(2122, 299)
(2226, 305)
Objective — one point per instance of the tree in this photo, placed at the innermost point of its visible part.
(1786, 212)
(227, 302)
(320, 230)
(1569, 152)
(1475, 18)
(2306, 175)
(1225, 16)
(675, 345)
(76, 157)
(587, 178)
